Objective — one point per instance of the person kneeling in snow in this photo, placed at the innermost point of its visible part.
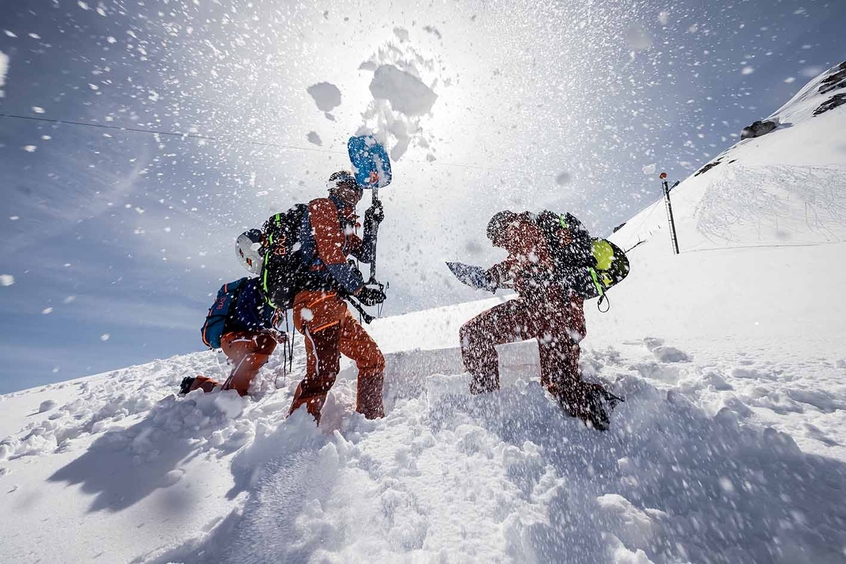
(547, 308)
(248, 339)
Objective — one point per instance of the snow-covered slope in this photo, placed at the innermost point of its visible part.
(785, 188)
(730, 447)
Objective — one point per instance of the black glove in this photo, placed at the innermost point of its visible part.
(370, 296)
(375, 213)
(356, 270)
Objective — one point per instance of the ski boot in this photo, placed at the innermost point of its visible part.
(588, 402)
(186, 384)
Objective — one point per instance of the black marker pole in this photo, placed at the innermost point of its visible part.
(669, 206)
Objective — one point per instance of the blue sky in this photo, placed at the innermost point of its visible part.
(115, 239)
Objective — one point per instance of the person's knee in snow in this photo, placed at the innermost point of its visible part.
(247, 335)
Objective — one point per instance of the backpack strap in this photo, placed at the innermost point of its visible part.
(600, 289)
(278, 220)
(264, 289)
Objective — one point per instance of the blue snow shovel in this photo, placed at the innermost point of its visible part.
(372, 169)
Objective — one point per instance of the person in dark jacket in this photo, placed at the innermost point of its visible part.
(328, 237)
(547, 309)
(249, 338)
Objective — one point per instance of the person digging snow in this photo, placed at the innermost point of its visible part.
(548, 308)
(321, 314)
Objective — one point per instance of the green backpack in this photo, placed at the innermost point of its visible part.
(612, 266)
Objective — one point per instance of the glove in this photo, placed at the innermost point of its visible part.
(356, 270)
(375, 213)
(370, 296)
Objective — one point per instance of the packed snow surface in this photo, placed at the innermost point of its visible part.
(730, 446)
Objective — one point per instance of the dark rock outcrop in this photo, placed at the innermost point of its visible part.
(707, 167)
(835, 80)
(758, 129)
(831, 103)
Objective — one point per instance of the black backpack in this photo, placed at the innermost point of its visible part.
(569, 244)
(585, 264)
(284, 271)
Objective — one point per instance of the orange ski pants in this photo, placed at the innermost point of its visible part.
(330, 330)
(248, 352)
(557, 324)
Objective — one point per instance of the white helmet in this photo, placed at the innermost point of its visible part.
(248, 250)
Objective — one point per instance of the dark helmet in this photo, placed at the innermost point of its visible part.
(498, 223)
(342, 179)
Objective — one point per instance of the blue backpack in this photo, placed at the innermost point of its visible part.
(219, 312)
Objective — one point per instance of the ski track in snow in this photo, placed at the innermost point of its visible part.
(775, 202)
(690, 470)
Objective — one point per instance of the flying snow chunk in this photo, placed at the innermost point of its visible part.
(326, 96)
(38, 110)
(747, 70)
(811, 72)
(664, 18)
(104, 337)
(314, 138)
(6, 279)
(47, 310)
(649, 169)
(563, 178)
(402, 34)
(406, 93)
(4, 68)
(433, 31)
(9, 33)
(637, 39)
(30, 148)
